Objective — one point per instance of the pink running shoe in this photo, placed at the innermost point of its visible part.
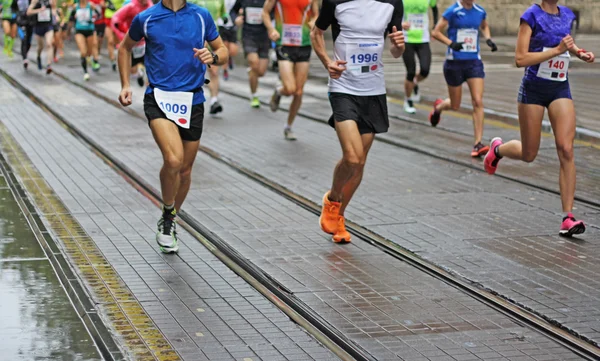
(434, 116)
(490, 162)
(570, 226)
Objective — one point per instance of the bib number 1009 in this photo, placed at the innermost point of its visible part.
(364, 58)
(174, 108)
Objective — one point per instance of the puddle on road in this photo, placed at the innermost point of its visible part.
(37, 320)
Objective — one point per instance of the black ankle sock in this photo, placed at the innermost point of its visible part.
(496, 153)
(84, 64)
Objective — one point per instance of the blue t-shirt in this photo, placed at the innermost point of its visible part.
(464, 21)
(547, 32)
(170, 39)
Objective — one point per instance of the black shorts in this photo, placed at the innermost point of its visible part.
(153, 111)
(11, 21)
(257, 45)
(42, 29)
(228, 34)
(56, 28)
(100, 29)
(369, 112)
(86, 33)
(136, 61)
(295, 54)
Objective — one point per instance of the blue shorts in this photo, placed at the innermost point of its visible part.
(42, 29)
(543, 93)
(457, 72)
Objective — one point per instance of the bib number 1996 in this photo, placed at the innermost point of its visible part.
(364, 58)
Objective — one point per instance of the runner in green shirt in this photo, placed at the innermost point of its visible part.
(416, 33)
(9, 25)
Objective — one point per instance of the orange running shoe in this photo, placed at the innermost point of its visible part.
(341, 235)
(329, 215)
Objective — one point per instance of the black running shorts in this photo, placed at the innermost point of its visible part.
(153, 111)
(100, 30)
(257, 45)
(369, 112)
(295, 54)
(228, 34)
(136, 61)
(85, 33)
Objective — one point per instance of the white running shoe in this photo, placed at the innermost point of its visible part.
(416, 95)
(166, 237)
(86, 76)
(289, 134)
(409, 107)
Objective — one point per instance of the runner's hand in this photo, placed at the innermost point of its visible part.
(125, 98)
(335, 68)
(587, 56)
(239, 21)
(397, 37)
(492, 45)
(566, 43)
(405, 25)
(456, 46)
(274, 35)
(204, 55)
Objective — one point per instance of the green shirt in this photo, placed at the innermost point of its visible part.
(108, 13)
(215, 7)
(7, 10)
(415, 13)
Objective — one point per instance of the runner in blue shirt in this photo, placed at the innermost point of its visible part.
(176, 59)
(464, 19)
(544, 48)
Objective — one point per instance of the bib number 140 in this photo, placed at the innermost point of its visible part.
(556, 64)
(364, 58)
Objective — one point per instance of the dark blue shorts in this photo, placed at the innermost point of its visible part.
(543, 93)
(457, 72)
(42, 29)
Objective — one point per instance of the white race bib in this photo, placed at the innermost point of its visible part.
(139, 50)
(418, 21)
(44, 16)
(364, 57)
(292, 35)
(469, 39)
(254, 16)
(83, 16)
(555, 69)
(177, 106)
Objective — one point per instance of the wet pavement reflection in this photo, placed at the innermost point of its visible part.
(37, 320)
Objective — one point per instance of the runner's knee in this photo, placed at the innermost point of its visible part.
(565, 151)
(411, 76)
(354, 160)
(173, 162)
(529, 156)
(289, 89)
(186, 174)
(424, 72)
(299, 92)
(477, 102)
(455, 105)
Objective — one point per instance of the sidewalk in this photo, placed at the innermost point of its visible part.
(384, 305)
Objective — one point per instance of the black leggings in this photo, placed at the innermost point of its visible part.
(423, 52)
(26, 42)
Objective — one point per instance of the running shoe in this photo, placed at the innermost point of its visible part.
(216, 107)
(479, 150)
(289, 134)
(114, 66)
(25, 64)
(141, 76)
(255, 102)
(409, 106)
(416, 96)
(434, 116)
(225, 74)
(39, 63)
(570, 226)
(166, 237)
(10, 53)
(330, 213)
(230, 63)
(86, 76)
(341, 235)
(275, 100)
(48, 69)
(55, 60)
(490, 163)
(95, 66)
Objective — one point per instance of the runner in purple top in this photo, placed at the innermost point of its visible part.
(544, 48)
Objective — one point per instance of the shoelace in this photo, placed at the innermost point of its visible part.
(167, 224)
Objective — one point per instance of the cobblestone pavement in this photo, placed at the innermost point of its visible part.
(384, 305)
